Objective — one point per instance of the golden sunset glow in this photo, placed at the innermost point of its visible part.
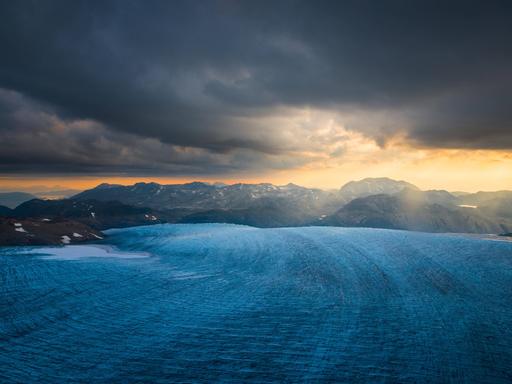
(279, 107)
(453, 170)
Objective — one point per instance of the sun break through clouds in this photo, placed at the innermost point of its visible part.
(312, 92)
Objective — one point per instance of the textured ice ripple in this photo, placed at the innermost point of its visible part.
(237, 304)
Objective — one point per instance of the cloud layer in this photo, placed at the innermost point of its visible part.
(225, 86)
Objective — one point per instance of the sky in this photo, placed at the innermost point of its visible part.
(312, 92)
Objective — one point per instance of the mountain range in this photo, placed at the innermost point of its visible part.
(371, 202)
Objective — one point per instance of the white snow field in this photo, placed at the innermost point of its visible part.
(226, 303)
(76, 252)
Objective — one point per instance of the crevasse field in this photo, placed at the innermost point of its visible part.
(210, 303)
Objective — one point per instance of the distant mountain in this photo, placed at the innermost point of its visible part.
(57, 194)
(459, 193)
(373, 186)
(42, 193)
(441, 197)
(202, 196)
(414, 211)
(481, 198)
(13, 199)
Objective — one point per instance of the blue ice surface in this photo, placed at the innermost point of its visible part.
(228, 303)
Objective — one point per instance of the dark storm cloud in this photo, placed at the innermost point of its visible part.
(198, 75)
(35, 140)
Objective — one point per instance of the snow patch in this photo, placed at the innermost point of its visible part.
(77, 234)
(77, 252)
(65, 239)
(19, 228)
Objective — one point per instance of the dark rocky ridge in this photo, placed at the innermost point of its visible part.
(45, 232)
(47, 221)
(96, 214)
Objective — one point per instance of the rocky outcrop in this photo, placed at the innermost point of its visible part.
(45, 232)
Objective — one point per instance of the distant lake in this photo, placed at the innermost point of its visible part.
(228, 303)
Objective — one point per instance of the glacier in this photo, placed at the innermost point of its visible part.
(229, 303)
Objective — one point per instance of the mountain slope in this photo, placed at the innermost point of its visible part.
(97, 214)
(400, 212)
(263, 213)
(440, 197)
(498, 207)
(480, 198)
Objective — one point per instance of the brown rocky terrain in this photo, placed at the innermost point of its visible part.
(45, 232)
